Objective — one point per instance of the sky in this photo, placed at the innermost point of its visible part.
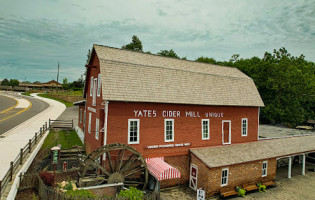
(35, 35)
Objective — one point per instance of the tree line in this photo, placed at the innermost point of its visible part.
(286, 83)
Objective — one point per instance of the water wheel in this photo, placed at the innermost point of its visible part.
(123, 164)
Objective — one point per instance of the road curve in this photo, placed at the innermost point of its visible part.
(15, 116)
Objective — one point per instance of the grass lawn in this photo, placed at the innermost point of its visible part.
(67, 139)
(68, 104)
(27, 93)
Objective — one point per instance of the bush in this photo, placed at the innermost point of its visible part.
(240, 191)
(132, 194)
(47, 177)
(261, 187)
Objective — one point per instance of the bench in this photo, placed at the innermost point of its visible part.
(227, 191)
(269, 183)
(250, 186)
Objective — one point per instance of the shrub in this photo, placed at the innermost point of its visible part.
(132, 194)
(261, 187)
(240, 191)
(47, 177)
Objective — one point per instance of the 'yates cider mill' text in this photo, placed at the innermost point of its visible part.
(168, 113)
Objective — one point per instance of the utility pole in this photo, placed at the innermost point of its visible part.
(58, 76)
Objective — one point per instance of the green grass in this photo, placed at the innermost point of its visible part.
(67, 139)
(27, 93)
(68, 104)
(69, 93)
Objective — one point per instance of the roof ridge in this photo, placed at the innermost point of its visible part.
(178, 59)
(154, 66)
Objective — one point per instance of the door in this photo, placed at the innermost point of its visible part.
(226, 131)
(193, 177)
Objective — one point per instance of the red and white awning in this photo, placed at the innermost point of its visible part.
(161, 170)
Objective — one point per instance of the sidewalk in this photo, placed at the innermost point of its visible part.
(18, 137)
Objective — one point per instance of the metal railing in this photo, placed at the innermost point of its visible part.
(20, 158)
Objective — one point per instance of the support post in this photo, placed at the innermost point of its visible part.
(35, 137)
(21, 156)
(30, 145)
(303, 164)
(290, 167)
(11, 171)
(45, 126)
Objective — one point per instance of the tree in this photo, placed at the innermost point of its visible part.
(206, 60)
(135, 45)
(65, 84)
(168, 53)
(5, 82)
(14, 82)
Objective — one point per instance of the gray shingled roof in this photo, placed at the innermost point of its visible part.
(260, 150)
(141, 77)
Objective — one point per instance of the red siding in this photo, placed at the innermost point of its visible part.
(186, 129)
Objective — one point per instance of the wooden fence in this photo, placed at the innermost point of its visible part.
(33, 181)
(64, 124)
(20, 158)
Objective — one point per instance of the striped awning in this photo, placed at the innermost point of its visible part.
(161, 170)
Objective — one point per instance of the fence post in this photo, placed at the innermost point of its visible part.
(21, 156)
(45, 126)
(11, 171)
(30, 145)
(49, 122)
(35, 137)
(72, 123)
(20, 176)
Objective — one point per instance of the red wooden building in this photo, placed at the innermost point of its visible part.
(170, 109)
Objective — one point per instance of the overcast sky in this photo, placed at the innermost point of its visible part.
(36, 34)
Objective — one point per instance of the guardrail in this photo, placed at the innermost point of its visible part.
(20, 158)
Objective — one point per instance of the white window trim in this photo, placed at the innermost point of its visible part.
(99, 86)
(94, 93)
(229, 131)
(90, 121)
(243, 127)
(138, 131)
(264, 175)
(91, 86)
(227, 177)
(205, 120)
(172, 120)
(97, 128)
(80, 115)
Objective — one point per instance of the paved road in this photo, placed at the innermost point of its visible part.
(10, 118)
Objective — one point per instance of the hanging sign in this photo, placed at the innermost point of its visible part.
(55, 155)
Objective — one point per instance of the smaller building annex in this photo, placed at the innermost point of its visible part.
(240, 164)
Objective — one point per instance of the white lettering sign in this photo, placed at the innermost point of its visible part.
(168, 145)
(171, 113)
(145, 113)
(214, 114)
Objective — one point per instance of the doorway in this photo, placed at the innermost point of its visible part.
(193, 177)
(226, 132)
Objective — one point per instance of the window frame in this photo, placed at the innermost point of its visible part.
(99, 86)
(230, 132)
(246, 128)
(97, 128)
(90, 122)
(173, 134)
(91, 86)
(227, 177)
(138, 131)
(202, 134)
(94, 93)
(264, 169)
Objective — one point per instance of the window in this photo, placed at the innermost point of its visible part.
(169, 130)
(205, 129)
(94, 92)
(90, 120)
(99, 86)
(80, 116)
(264, 168)
(91, 86)
(244, 126)
(133, 131)
(225, 176)
(97, 128)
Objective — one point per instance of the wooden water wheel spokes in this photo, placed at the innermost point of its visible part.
(123, 164)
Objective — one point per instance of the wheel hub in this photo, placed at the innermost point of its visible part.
(116, 178)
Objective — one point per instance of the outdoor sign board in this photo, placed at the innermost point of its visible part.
(55, 155)
(200, 194)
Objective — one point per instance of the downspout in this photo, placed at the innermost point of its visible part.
(105, 127)
(258, 123)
